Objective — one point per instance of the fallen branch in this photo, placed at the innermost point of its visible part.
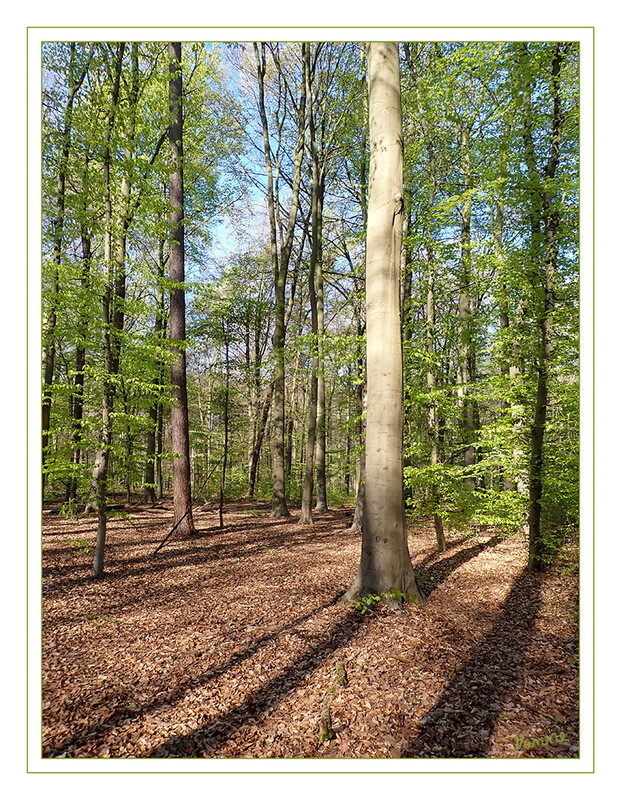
(168, 535)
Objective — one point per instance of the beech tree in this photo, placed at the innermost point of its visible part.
(385, 563)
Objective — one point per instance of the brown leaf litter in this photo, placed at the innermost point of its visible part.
(225, 645)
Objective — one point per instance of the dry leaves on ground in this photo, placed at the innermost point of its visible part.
(225, 645)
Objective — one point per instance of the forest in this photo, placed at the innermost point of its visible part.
(310, 399)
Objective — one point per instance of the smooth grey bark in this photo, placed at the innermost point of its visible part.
(255, 341)
(511, 331)
(385, 565)
(182, 490)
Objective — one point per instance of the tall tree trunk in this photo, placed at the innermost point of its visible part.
(307, 492)
(109, 343)
(544, 207)
(385, 563)
(182, 491)
(320, 446)
(77, 401)
(314, 267)
(280, 263)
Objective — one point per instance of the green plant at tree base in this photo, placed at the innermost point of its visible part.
(82, 545)
(367, 603)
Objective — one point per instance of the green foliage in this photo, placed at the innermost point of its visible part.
(81, 545)
(69, 509)
(366, 604)
(447, 88)
(503, 510)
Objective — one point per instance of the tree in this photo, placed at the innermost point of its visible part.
(385, 563)
(280, 256)
(182, 490)
(315, 287)
(545, 217)
(111, 343)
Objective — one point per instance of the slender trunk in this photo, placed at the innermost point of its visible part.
(307, 492)
(226, 423)
(80, 363)
(280, 264)
(151, 483)
(550, 218)
(253, 371)
(109, 358)
(320, 446)
(182, 492)
(361, 395)
(509, 352)
(258, 444)
(432, 418)
(432, 413)
(314, 265)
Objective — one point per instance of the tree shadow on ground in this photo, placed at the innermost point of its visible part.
(429, 578)
(460, 723)
(122, 711)
(205, 740)
(177, 553)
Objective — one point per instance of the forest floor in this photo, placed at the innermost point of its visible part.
(225, 645)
